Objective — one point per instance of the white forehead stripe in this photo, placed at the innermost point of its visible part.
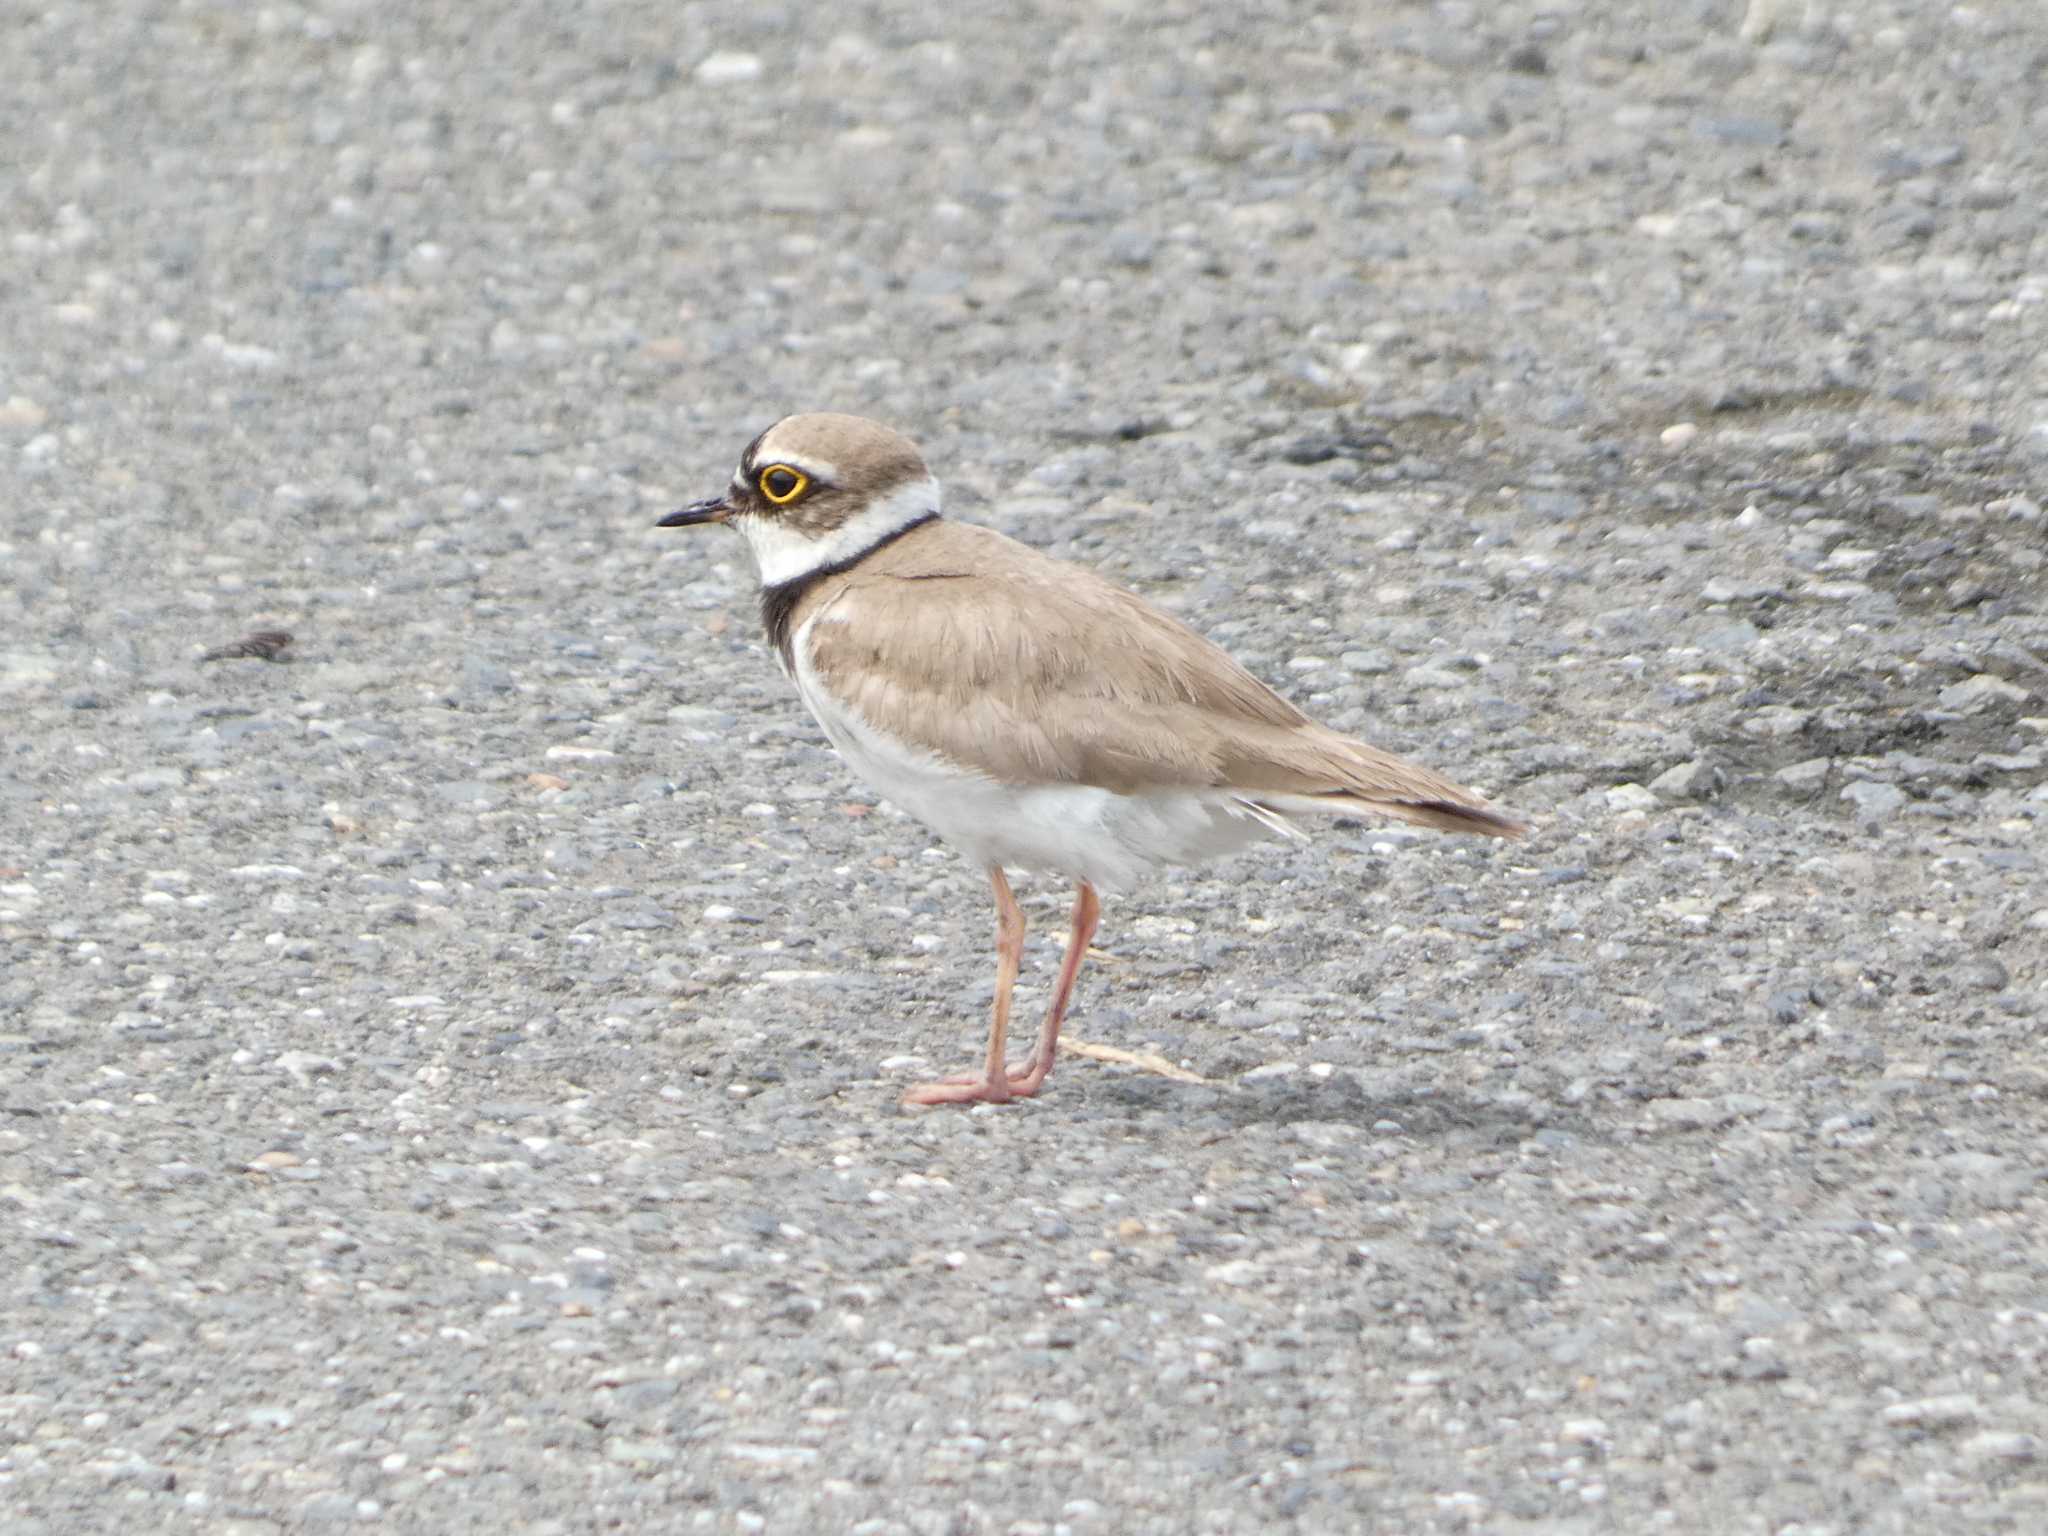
(821, 470)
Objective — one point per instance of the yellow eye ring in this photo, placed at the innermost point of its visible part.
(781, 484)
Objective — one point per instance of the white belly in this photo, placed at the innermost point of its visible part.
(1077, 830)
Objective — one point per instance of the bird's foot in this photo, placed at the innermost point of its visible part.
(980, 1088)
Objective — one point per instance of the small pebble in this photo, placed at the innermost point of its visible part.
(1946, 1412)
(1686, 781)
(1875, 802)
(1631, 797)
(728, 69)
(1810, 774)
(1977, 694)
(2002, 1445)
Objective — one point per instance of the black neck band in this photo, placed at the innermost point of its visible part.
(778, 603)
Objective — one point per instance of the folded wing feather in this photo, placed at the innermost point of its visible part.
(1025, 668)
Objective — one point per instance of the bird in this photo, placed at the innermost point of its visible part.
(1034, 715)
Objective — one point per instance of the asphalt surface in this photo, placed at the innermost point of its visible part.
(449, 1071)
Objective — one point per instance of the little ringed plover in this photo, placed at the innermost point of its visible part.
(1030, 713)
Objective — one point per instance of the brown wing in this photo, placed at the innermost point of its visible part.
(1029, 669)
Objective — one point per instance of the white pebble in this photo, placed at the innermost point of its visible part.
(1678, 434)
(1236, 1272)
(1270, 1070)
(729, 69)
(2002, 1445)
(1631, 797)
(1946, 1412)
(21, 411)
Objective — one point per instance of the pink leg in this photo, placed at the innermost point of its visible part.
(992, 1083)
(1087, 913)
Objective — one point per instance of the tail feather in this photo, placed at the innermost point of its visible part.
(1380, 782)
(1314, 770)
(1443, 815)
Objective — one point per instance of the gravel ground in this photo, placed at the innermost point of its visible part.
(448, 1074)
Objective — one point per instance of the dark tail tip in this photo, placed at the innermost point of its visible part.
(1483, 820)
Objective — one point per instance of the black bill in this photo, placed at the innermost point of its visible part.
(714, 510)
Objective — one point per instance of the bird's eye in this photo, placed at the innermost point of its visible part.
(781, 484)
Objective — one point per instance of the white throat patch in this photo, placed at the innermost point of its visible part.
(782, 554)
